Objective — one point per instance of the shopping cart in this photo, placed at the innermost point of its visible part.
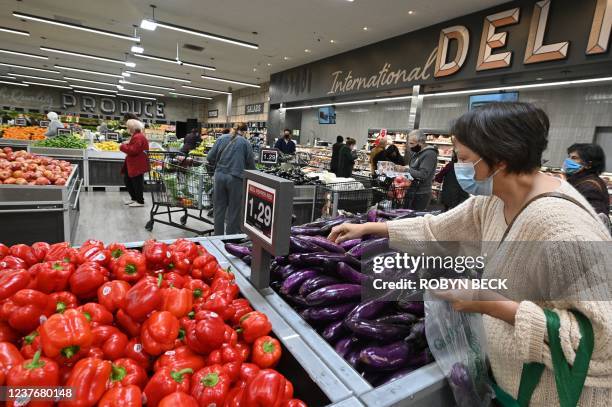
(391, 194)
(178, 183)
(352, 196)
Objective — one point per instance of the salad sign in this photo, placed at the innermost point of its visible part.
(268, 156)
(267, 221)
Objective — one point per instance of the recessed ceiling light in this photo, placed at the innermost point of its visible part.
(88, 56)
(206, 89)
(212, 78)
(332, 41)
(125, 74)
(96, 89)
(254, 69)
(189, 96)
(539, 79)
(145, 85)
(411, 12)
(67, 68)
(37, 77)
(89, 81)
(28, 67)
(307, 51)
(150, 75)
(148, 25)
(46, 84)
(74, 26)
(365, 28)
(137, 49)
(23, 54)
(269, 64)
(143, 93)
(14, 83)
(13, 31)
(286, 58)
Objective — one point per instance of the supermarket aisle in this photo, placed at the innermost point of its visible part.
(105, 217)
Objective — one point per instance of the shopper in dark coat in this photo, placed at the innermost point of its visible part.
(346, 159)
(423, 163)
(191, 141)
(136, 162)
(452, 194)
(333, 166)
(583, 166)
(285, 144)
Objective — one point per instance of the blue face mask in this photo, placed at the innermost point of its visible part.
(570, 166)
(465, 174)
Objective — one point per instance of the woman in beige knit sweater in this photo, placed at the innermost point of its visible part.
(500, 148)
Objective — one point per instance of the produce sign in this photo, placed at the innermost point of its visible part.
(23, 168)
(164, 325)
(268, 156)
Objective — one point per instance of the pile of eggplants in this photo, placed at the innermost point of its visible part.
(322, 280)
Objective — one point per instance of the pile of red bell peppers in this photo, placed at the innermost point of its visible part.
(164, 326)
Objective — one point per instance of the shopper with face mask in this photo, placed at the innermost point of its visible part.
(583, 166)
(499, 149)
(346, 159)
(285, 144)
(423, 163)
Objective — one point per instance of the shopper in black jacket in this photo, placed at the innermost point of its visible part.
(191, 141)
(346, 159)
(423, 163)
(452, 194)
(583, 166)
(335, 154)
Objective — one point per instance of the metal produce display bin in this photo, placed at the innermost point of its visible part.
(304, 203)
(72, 155)
(426, 386)
(16, 145)
(32, 213)
(104, 168)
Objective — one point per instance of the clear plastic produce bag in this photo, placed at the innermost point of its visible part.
(457, 342)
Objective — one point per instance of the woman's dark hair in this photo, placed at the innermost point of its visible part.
(515, 133)
(242, 127)
(225, 131)
(592, 155)
(339, 139)
(350, 141)
(129, 116)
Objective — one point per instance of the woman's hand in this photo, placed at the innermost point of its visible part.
(346, 231)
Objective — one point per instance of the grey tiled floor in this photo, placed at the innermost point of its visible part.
(104, 217)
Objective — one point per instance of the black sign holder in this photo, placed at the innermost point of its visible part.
(266, 219)
(269, 156)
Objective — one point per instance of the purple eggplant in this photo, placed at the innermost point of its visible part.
(372, 215)
(301, 230)
(295, 280)
(328, 261)
(353, 358)
(300, 245)
(463, 388)
(323, 243)
(297, 300)
(315, 283)
(334, 331)
(237, 250)
(334, 294)
(325, 230)
(373, 246)
(413, 307)
(377, 330)
(349, 274)
(421, 359)
(247, 259)
(368, 310)
(389, 357)
(397, 375)
(417, 334)
(285, 271)
(281, 260)
(349, 244)
(401, 319)
(330, 313)
(343, 347)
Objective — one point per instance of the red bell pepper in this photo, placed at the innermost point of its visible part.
(86, 279)
(116, 250)
(231, 336)
(13, 280)
(204, 267)
(65, 334)
(143, 298)
(241, 307)
(125, 396)
(234, 397)
(266, 352)
(214, 358)
(30, 345)
(94, 253)
(62, 252)
(210, 385)
(178, 398)
(180, 358)
(127, 371)
(88, 380)
(112, 294)
(110, 340)
(93, 242)
(199, 288)
(219, 303)
(248, 371)
(177, 301)
(205, 333)
(173, 279)
(228, 287)
(164, 382)
(268, 389)
(294, 403)
(179, 264)
(35, 372)
(27, 309)
(157, 254)
(130, 267)
(236, 353)
(96, 314)
(4, 251)
(125, 322)
(92, 352)
(9, 357)
(12, 262)
(7, 334)
(254, 325)
(25, 253)
(40, 250)
(53, 276)
(63, 300)
(224, 273)
(159, 332)
(136, 352)
(187, 248)
(232, 370)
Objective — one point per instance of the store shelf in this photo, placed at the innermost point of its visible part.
(442, 143)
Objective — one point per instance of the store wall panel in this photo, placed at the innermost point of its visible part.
(240, 99)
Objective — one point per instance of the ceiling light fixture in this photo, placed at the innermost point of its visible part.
(13, 31)
(74, 26)
(365, 28)
(143, 93)
(14, 83)
(67, 68)
(125, 74)
(8, 76)
(89, 56)
(307, 50)
(411, 12)
(94, 93)
(176, 61)
(189, 96)
(332, 41)
(212, 78)
(135, 97)
(150, 75)
(355, 102)
(96, 89)
(88, 81)
(206, 90)
(46, 84)
(137, 49)
(37, 77)
(23, 54)
(145, 85)
(29, 67)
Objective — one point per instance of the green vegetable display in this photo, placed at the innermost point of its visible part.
(63, 142)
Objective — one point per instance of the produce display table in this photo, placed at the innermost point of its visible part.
(74, 156)
(16, 145)
(104, 168)
(32, 213)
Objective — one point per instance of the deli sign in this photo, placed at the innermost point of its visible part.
(518, 37)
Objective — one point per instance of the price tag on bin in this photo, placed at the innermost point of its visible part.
(266, 210)
(268, 156)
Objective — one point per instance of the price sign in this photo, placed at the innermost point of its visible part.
(259, 210)
(20, 122)
(43, 123)
(64, 132)
(112, 136)
(268, 156)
